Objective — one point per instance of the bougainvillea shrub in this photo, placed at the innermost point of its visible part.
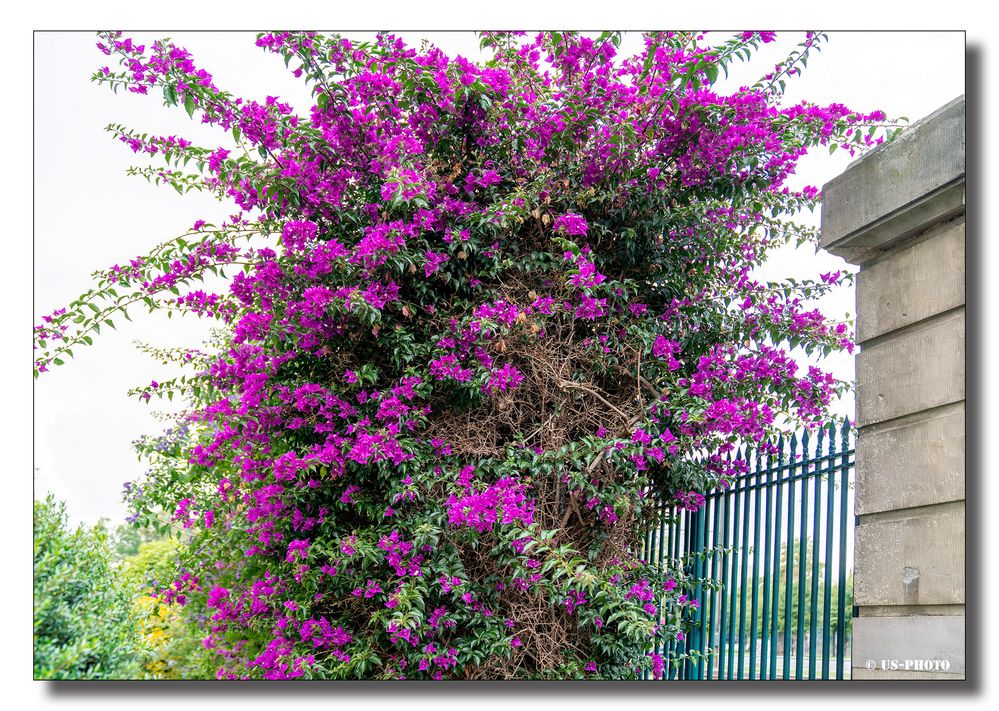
(477, 318)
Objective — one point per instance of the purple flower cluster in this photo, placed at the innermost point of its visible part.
(504, 502)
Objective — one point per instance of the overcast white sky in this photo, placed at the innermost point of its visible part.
(84, 422)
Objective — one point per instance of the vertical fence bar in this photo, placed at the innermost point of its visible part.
(843, 513)
(680, 544)
(708, 642)
(688, 548)
(722, 620)
(806, 466)
(663, 545)
(670, 523)
(675, 524)
(737, 553)
(708, 611)
(765, 626)
(700, 530)
(647, 553)
(779, 517)
(650, 555)
(684, 542)
(656, 554)
(757, 490)
(664, 528)
(715, 503)
(674, 535)
(693, 639)
(827, 578)
(788, 616)
(670, 530)
(813, 624)
(743, 581)
(671, 533)
(690, 641)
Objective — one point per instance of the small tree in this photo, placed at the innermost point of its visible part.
(84, 625)
(481, 315)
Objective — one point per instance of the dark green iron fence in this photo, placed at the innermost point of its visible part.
(778, 599)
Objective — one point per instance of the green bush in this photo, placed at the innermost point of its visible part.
(172, 638)
(84, 625)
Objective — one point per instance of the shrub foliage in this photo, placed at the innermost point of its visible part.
(84, 625)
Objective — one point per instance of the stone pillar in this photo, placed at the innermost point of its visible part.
(898, 213)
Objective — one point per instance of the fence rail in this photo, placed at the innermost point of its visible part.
(773, 549)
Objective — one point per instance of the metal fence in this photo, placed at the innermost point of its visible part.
(773, 549)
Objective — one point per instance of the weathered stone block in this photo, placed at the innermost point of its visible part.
(916, 369)
(912, 284)
(913, 558)
(908, 641)
(914, 461)
(899, 189)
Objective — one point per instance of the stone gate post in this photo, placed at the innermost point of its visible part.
(898, 213)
